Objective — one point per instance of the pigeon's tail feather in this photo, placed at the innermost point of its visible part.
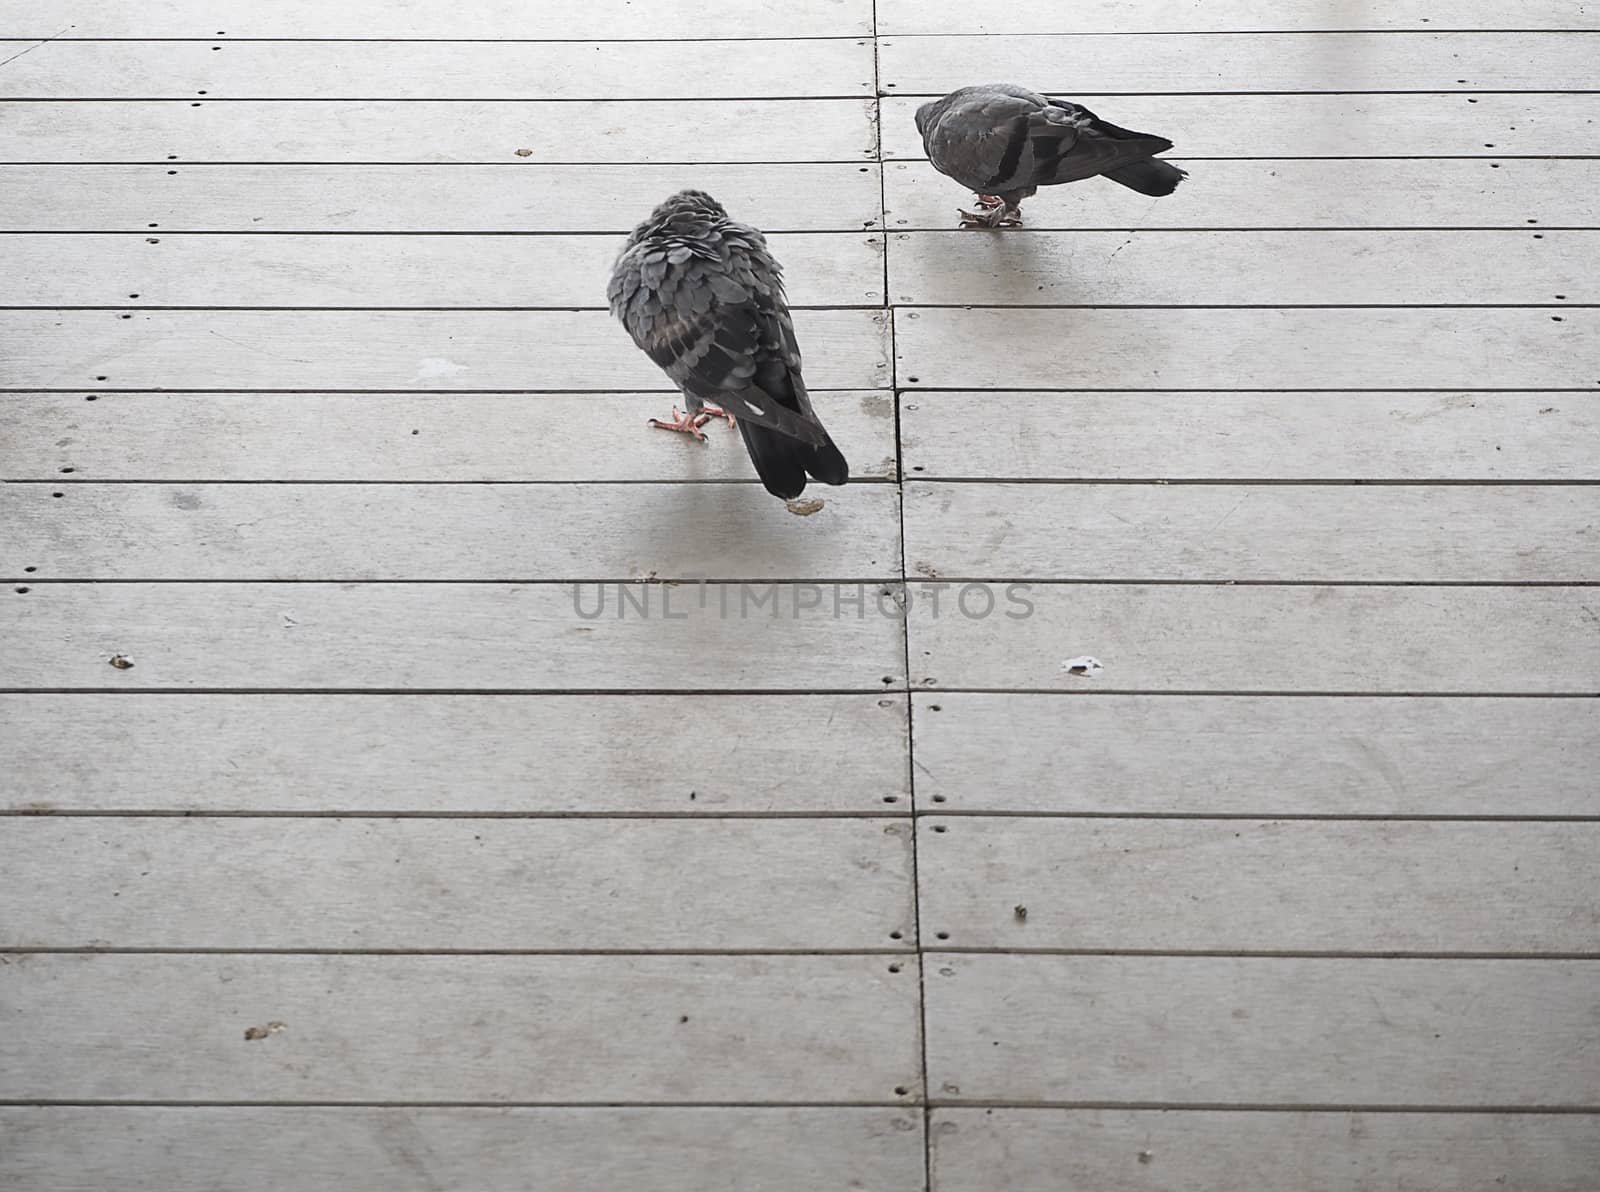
(1149, 177)
(784, 463)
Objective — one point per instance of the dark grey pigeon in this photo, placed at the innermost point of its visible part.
(1006, 142)
(700, 293)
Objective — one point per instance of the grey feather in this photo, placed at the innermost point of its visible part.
(703, 297)
(998, 139)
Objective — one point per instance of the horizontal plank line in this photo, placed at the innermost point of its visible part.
(566, 99)
(897, 687)
(694, 482)
(1258, 1107)
(886, 812)
(856, 37)
(564, 309)
(1107, 94)
(913, 306)
(779, 230)
(932, 951)
(904, 390)
(1254, 816)
(893, 576)
(903, 950)
(1177, 481)
(80, 1103)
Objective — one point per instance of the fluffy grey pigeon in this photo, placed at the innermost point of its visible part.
(700, 293)
(1006, 142)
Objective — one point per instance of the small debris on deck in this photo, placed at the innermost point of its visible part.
(803, 507)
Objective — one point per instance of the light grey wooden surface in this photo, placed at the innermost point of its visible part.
(550, 70)
(509, 19)
(1148, 435)
(390, 271)
(1259, 885)
(1231, 63)
(1334, 533)
(1281, 348)
(1243, 268)
(1280, 193)
(417, 350)
(1043, 1150)
(70, 1149)
(1492, 126)
(573, 132)
(365, 437)
(1258, 755)
(1263, 638)
(778, 198)
(492, 1029)
(628, 637)
(1257, 1031)
(429, 885)
(431, 532)
(1221, 16)
(591, 755)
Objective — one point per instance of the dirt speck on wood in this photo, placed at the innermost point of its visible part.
(122, 662)
(803, 506)
(252, 1033)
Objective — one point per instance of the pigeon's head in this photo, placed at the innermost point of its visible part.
(926, 115)
(689, 202)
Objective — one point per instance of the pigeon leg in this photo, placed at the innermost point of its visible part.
(995, 213)
(717, 412)
(688, 424)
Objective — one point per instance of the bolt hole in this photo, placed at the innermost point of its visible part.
(172, 157)
(913, 380)
(100, 378)
(941, 935)
(124, 316)
(891, 798)
(1538, 235)
(133, 295)
(69, 469)
(1561, 297)
(936, 707)
(199, 93)
(1557, 319)
(938, 798)
(894, 935)
(901, 1090)
(863, 170)
(1533, 221)
(1494, 165)
(58, 494)
(92, 397)
(194, 105)
(30, 570)
(940, 828)
(918, 468)
(894, 968)
(172, 172)
(152, 225)
(23, 591)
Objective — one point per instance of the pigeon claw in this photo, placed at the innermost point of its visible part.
(994, 214)
(688, 424)
(717, 412)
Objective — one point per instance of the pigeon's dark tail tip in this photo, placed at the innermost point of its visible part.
(784, 463)
(1151, 177)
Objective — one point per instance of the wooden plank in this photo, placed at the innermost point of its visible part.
(1250, 755)
(429, 131)
(784, 197)
(453, 637)
(1263, 1031)
(1489, 126)
(493, 1029)
(264, 1149)
(1311, 436)
(1163, 268)
(1263, 533)
(1043, 1150)
(459, 755)
(1270, 193)
(526, 533)
(376, 272)
(1232, 63)
(396, 437)
(549, 70)
(900, 17)
(586, 885)
(486, 19)
(432, 351)
(1264, 639)
(1239, 885)
(1255, 348)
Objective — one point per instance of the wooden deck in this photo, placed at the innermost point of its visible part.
(417, 774)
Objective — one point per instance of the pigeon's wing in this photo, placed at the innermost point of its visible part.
(718, 327)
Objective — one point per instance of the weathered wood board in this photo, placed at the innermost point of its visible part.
(431, 351)
(1043, 1150)
(457, 755)
(610, 1030)
(541, 70)
(1240, 885)
(628, 637)
(568, 532)
(1285, 533)
(1253, 436)
(589, 885)
(1262, 639)
(1259, 1031)
(1161, 268)
(438, 131)
(778, 198)
(1234, 63)
(364, 437)
(1258, 755)
(375, 272)
(265, 1149)
(1284, 348)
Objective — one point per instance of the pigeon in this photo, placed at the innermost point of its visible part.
(1005, 142)
(700, 293)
